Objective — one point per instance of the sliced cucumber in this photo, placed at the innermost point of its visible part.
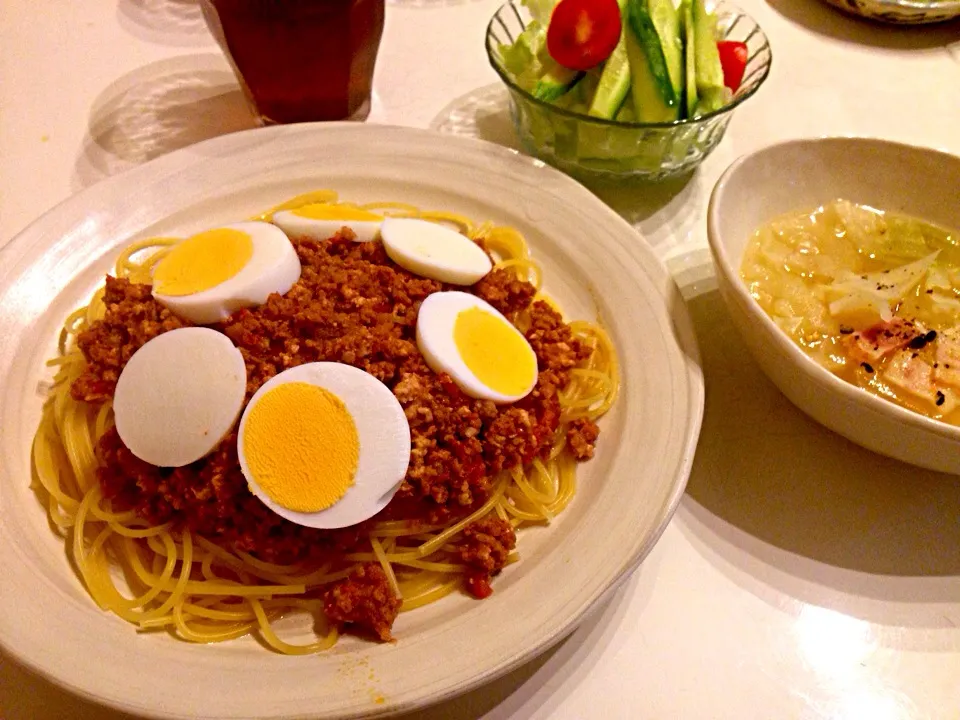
(709, 72)
(654, 97)
(586, 89)
(667, 22)
(626, 113)
(690, 59)
(713, 99)
(615, 79)
(555, 81)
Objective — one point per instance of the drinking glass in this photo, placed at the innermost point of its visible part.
(300, 60)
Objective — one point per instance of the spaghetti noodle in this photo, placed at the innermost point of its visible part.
(180, 581)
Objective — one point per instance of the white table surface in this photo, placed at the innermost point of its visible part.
(801, 577)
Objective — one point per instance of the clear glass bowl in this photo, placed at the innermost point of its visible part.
(589, 147)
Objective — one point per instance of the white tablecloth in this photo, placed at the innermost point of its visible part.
(802, 577)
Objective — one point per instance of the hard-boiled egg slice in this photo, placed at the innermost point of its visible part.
(209, 276)
(324, 445)
(467, 338)
(434, 251)
(321, 221)
(178, 396)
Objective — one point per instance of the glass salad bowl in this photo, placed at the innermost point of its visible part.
(594, 148)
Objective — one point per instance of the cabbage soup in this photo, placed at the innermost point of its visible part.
(872, 296)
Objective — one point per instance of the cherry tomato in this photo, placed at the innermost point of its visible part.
(733, 59)
(583, 33)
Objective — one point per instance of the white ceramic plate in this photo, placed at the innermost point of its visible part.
(594, 264)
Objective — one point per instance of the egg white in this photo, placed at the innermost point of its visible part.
(435, 323)
(434, 251)
(179, 395)
(383, 432)
(298, 226)
(273, 268)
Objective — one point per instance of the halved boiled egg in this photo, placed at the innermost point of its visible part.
(179, 395)
(324, 445)
(434, 251)
(321, 221)
(467, 338)
(210, 275)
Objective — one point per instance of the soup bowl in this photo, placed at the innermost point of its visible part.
(805, 174)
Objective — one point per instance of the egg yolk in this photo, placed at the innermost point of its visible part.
(314, 196)
(202, 261)
(301, 446)
(494, 352)
(326, 211)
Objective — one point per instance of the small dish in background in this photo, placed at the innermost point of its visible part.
(901, 12)
(804, 174)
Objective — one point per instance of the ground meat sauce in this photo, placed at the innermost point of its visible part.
(351, 305)
(484, 547)
(364, 600)
(582, 436)
(132, 318)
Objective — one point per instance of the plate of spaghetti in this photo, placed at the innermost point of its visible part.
(309, 399)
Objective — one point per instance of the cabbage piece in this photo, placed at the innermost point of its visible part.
(861, 222)
(887, 284)
(948, 304)
(861, 310)
(517, 58)
(863, 295)
(907, 238)
(776, 253)
(938, 277)
(541, 10)
(522, 59)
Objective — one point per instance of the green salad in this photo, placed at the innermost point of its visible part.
(645, 61)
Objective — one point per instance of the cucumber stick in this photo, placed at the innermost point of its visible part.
(555, 81)
(690, 58)
(709, 72)
(667, 22)
(615, 78)
(654, 96)
(712, 93)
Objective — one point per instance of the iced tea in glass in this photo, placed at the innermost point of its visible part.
(301, 60)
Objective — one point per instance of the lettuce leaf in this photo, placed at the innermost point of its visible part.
(541, 10)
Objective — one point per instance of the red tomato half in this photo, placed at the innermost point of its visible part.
(583, 33)
(733, 59)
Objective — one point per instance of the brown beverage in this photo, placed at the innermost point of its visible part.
(301, 60)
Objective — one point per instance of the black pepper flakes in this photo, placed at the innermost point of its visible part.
(844, 330)
(867, 366)
(940, 398)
